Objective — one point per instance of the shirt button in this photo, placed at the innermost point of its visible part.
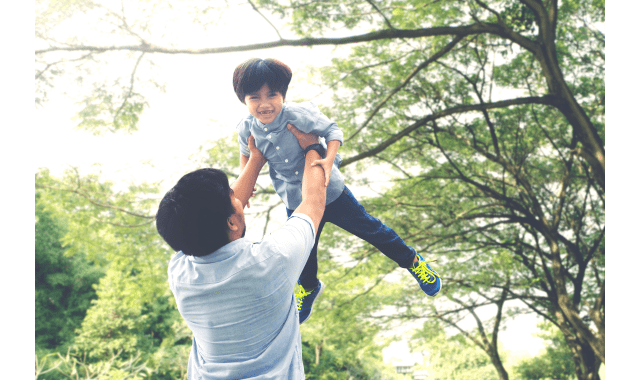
(269, 136)
(286, 160)
(296, 173)
(265, 129)
(277, 147)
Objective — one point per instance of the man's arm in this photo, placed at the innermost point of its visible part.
(243, 187)
(243, 161)
(314, 193)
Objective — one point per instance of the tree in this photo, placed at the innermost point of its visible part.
(134, 315)
(555, 363)
(64, 285)
(453, 357)
(489, 113)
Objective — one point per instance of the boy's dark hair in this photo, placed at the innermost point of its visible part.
(192, 217)
(253, 73)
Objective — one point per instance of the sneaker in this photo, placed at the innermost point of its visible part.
(306, 299)
(428, 278)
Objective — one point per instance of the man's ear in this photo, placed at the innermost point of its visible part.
(233, 226)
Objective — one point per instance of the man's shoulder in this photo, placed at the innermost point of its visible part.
(295, 228)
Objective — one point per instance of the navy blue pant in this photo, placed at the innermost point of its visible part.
(347, 213)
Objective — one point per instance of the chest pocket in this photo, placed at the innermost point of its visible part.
(285, 155)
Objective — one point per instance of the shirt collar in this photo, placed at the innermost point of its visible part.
(275, 126)
(223, 253)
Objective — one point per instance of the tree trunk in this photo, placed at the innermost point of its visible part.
(546, 54)
(495, 359)
(319, 352)
(569, 311)
(586, 363)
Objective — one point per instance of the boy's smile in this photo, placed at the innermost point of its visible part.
(264, 104)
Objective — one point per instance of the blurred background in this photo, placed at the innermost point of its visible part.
(474, 129)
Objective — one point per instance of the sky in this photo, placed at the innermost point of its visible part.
(197, 106)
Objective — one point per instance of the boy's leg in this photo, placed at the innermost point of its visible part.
(348, 214)
(311, 287)
(309, 276)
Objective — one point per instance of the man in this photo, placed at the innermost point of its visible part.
(236, 296)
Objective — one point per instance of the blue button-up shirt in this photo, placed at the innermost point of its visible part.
(239, 303)
(283, 153)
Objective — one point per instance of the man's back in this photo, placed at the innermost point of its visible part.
(239, 303)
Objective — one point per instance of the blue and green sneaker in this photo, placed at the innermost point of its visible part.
(428, 279)
(306, 299)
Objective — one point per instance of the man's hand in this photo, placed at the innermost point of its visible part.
(304, 139)
(255, 152)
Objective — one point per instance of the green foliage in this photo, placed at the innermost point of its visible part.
(64, 285)
(333, 365)
(106, 112)
(454, 358)
(555, 363)
(71, 366)
(503, 197)
(134, 315)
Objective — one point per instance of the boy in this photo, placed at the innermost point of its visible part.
(262, 86)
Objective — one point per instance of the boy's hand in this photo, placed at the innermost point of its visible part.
(304, 139)
(326, 165)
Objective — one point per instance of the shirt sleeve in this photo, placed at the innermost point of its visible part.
(321, 125)
(293, 241)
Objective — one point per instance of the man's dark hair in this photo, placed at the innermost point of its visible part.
(192, 217)
(253, 73)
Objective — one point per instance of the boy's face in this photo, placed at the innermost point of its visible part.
(264, 104)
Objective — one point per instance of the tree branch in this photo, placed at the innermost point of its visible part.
(462, 31)
(415, 71)
(132, 79)
(77, 191)
(547, 100)
(266, 19)
(386, 20)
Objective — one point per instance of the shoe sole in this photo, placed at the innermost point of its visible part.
(319, 294)
(436, 293)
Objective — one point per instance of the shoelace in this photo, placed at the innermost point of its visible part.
(424, 273)
(300, 294)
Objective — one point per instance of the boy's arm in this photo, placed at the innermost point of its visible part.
(324, 127)
(332, 149)
(327, 162)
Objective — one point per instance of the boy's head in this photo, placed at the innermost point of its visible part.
(252, 74)
(192, 217)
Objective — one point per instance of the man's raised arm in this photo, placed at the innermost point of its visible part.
(314, 193)
(244, 185)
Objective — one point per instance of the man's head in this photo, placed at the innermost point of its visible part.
(200, 213)
(252, 74)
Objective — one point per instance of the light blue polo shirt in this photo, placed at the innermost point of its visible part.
(239, 303)
(283, 153)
